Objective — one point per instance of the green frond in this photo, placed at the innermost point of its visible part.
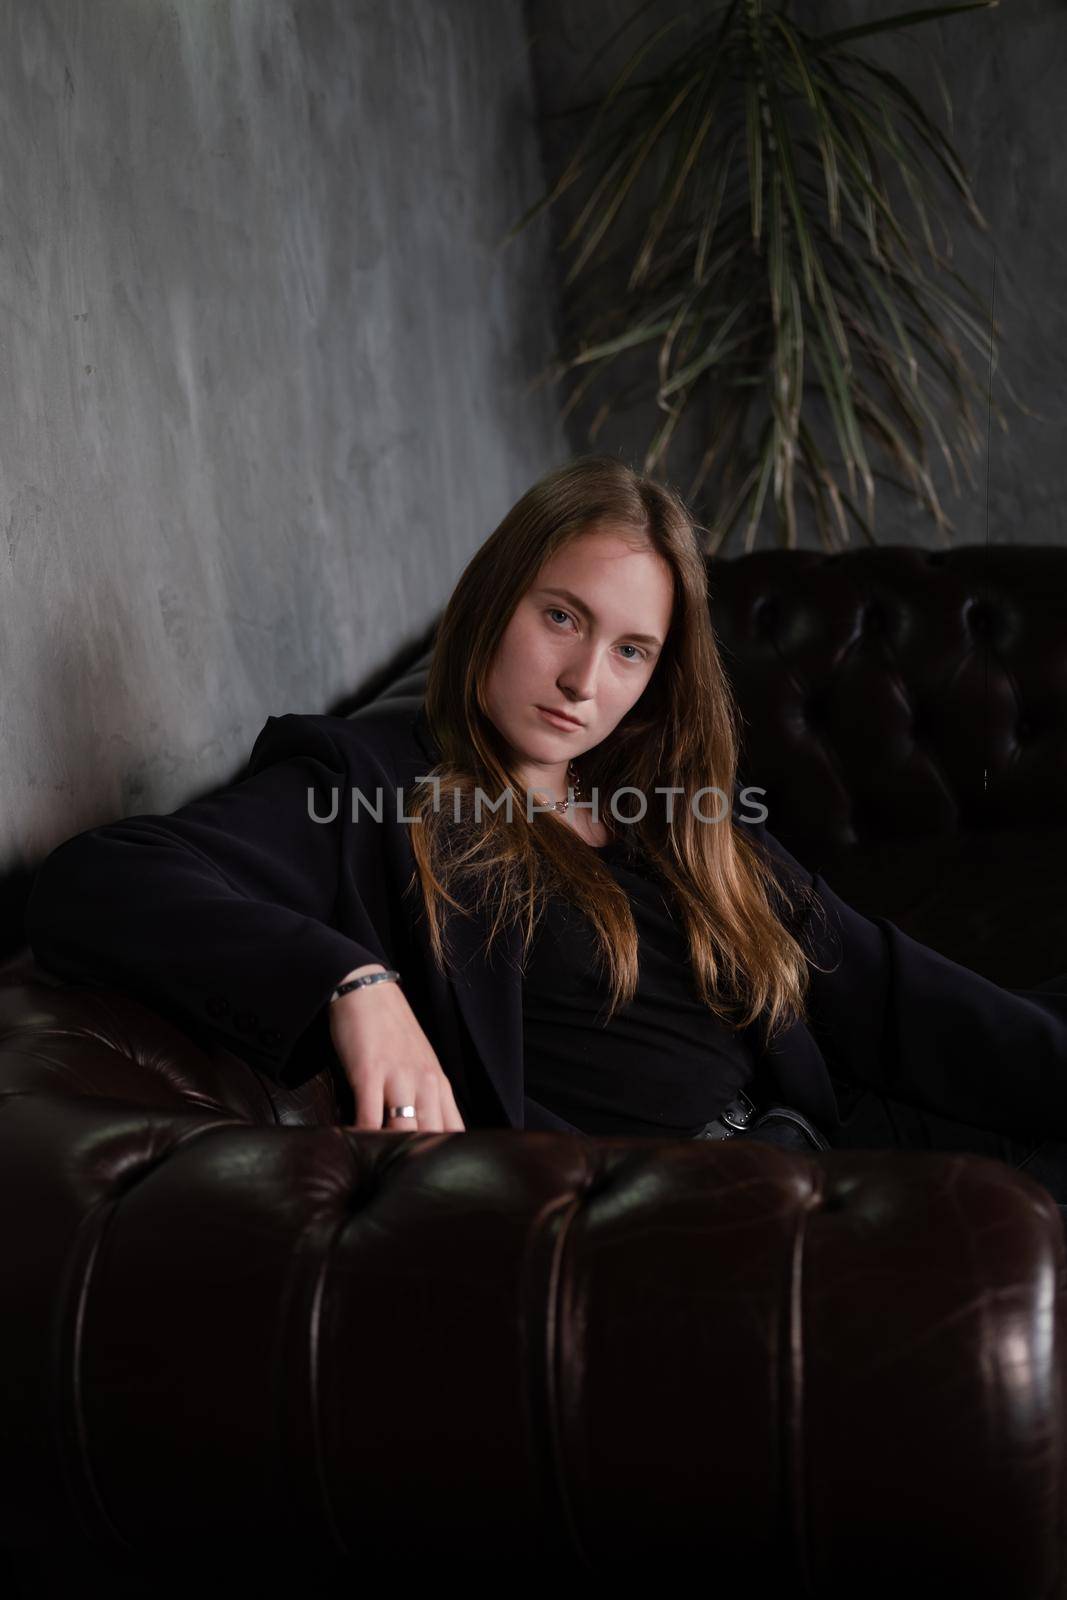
(796, 245)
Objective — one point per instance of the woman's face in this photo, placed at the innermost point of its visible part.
(585, 638)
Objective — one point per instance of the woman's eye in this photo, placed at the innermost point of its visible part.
(557, 611)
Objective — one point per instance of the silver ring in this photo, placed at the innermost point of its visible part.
(401, 1111)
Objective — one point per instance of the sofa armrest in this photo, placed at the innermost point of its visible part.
(628, 1355)
(78, 1039)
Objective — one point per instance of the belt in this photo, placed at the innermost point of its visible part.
(781, 1125)
(736, 1118)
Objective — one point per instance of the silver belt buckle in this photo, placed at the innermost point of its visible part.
(719, 1130)
(740, 1113)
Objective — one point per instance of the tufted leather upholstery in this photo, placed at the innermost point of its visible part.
(245, 1346)
(878, 688)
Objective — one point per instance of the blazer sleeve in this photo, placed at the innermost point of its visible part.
(905, 1021)
(218, 914)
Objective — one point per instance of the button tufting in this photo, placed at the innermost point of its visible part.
(767, 613)
(216, 1005)
(981, 620)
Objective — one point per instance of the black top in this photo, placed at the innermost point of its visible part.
(665, 1065)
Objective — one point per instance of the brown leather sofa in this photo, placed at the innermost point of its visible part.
(246, 1351)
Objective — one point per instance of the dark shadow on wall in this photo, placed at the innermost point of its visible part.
(16, 885)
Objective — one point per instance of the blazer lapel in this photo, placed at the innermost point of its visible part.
(489, 996)
(487, 990)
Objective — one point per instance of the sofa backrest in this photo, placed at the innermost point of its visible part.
(890, 693)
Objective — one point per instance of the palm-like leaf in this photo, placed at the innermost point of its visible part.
(789, 255)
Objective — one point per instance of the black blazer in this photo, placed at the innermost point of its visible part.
(237, 915)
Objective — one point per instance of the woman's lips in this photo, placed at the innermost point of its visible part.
(558, 721)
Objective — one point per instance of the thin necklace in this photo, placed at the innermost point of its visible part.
(564, 805)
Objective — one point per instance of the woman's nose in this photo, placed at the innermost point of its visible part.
(577, 681)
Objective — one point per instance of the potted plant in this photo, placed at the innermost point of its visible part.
(794, 274)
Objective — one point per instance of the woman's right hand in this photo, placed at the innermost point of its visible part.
(389, 1061)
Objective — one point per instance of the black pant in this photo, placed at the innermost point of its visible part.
(872, 1121)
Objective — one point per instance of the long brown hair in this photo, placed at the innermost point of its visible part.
(681, 733)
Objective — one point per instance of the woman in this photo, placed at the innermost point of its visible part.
(541, 900)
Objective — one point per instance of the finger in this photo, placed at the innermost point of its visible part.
(451, 1120)
(438, 1112)
(429, 1103)
(368, 1103)
(393, 1102)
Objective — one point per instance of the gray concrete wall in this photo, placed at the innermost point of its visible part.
(264, 371)
(1006, 71)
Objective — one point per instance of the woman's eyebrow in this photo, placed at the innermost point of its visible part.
(580, 605)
